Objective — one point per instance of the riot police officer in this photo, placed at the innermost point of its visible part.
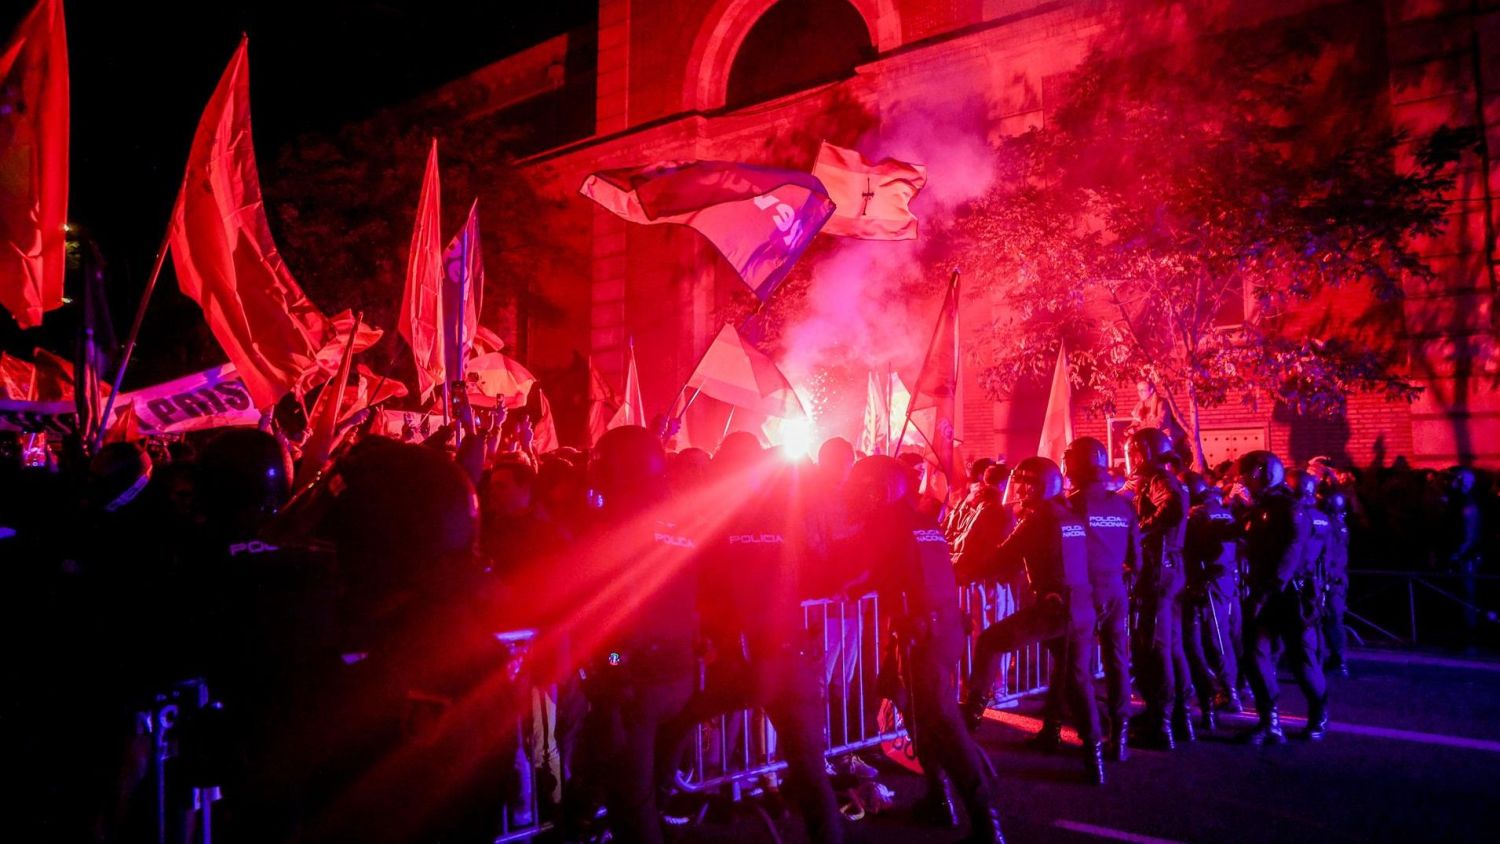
(1212, 598)
(1052, 543)
(907, 561)
(636, 572)
(752, 574)
(1277, 537)
(1162, 508)
(1336, 581)
(1114, 548)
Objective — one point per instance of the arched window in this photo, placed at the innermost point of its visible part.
(797, 44)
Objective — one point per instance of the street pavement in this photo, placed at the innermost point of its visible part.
(1413, 755)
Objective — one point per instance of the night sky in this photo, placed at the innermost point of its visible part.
(142, 71)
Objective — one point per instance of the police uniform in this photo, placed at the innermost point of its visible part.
(1052, 543)
(1114, 547)
(752, 579)
(1161, 663)
(1336, 585)
(912, 571)
(642, 673)
(1278, 548)
(1212, 604)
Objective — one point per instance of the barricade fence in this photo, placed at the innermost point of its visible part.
(727, 752)
(1406, 608)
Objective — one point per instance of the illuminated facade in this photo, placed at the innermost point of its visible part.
(765, 82)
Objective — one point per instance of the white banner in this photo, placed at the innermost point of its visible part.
(214, 398)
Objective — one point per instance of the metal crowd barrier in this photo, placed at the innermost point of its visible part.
(739, 748)
(729, 752)
(182, 801)
(1407, 608)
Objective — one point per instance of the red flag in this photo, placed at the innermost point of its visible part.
(17, 378)
(872, 199)
(332, 352)
(463, 295)
(34, 164)
(760, 219)
(54, 377)
(544, 432)
(369, 390)
(737, 373)
(1057, 425)
(602, 404)
(421, 300)
(225, 258)
(324, 419)
(632, 409)
(937, 386)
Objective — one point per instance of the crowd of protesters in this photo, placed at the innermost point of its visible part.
(357, 624)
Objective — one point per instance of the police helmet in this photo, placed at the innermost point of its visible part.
(401, 511)
(878, 481)
(1086, 460)
(117, 475)
(1036, 479)
(1460, 480)
(1260, 470)
(739, 451)
(1302, 482)
(1148, 447)
(242, 473)
(629, 467)
(1336, 503)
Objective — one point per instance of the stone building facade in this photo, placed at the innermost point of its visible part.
(765, 81)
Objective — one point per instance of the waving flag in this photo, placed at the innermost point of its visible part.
(1057, 425)
(495, 378)
(34, 164)
(737, 373)
(17, 378)
(934, 402)
(872, 199)
(421, 298)
(632, 410)
(602, 404)
(463, 295)
(759, 218)
(225, 259)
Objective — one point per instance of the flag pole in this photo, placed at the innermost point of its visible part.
(727, 422)
(931, 344)
(888, 394)
(135, 332)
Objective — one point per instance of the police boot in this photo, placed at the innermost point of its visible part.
(1268, 731)
(1154, 731)
(1093, 762)
(1210, 722)
(1118, 743)
(1317, 722)
(935, 808)
(972, 707)
(1048, 738)
(1182, 722)
(1230, 703)
(986, 827)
